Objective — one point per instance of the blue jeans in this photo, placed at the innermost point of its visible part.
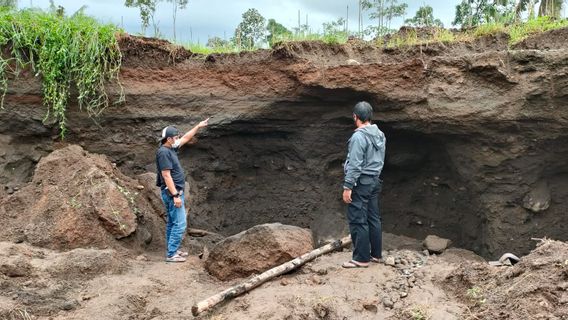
(365, 220)
(176, 223)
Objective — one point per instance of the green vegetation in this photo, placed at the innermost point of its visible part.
(63, 51)
(471, 13)
(417, 312)
(424, 17)
(383, 11)
(475, 295)
(517, 33)
(251, 30)
(276, 32)
(148, 10)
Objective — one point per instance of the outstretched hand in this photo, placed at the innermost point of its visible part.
(203, 123)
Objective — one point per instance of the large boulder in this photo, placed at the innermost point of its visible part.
(257, 249)
(435, 244)
(538, 199)
(77, 199)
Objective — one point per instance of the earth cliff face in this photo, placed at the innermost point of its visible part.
(477, 137)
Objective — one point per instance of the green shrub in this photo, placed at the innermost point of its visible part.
(63, 51)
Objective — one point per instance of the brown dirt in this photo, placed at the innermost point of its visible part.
(99, 284)
(148, 288)
(535, 288)
(553, 39)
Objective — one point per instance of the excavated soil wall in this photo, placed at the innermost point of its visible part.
(477, 136)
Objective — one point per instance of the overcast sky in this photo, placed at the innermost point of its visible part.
(207, 18)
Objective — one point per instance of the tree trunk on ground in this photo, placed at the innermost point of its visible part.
(267, 275)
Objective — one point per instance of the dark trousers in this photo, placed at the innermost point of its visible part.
(365, 220)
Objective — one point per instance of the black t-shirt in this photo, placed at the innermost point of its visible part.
(167, 158)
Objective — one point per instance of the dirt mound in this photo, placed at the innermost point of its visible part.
(257, 250)
(150, 52)
(77, 199)
(535, 288)
(553, 39)
(44, 282)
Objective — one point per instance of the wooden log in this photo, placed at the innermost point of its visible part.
(267, 275)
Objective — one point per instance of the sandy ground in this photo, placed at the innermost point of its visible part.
(148, 288)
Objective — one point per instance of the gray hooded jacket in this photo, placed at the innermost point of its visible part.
(366, 154)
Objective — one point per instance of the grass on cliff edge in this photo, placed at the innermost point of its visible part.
(517, 32)
(63, 51)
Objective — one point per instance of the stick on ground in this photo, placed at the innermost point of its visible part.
(267, 275)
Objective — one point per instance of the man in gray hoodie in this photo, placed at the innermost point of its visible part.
(365, 160)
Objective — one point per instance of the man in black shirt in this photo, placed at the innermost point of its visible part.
(171, 180)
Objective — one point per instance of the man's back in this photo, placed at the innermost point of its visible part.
(366, 154)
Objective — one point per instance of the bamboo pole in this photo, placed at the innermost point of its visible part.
(254, 282)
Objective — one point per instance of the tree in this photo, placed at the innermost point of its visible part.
(147, 11)
(551, 8)
(9, 4)
(177, 4)
(424, 18)
(251, 29)
(216, 42)
(276, 32)
(384, 11)
(334, 27)
(335, 31)
(470, 13)
(57, 10)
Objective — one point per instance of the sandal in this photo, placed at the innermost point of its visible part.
(353, 264)
(376, 260)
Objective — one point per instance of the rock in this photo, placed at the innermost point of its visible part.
(538, 199)
(388, 303)
(85, 263)
(69, 305)
(257, 250)
(390, 261)
(113, 208)
(284, 282)
(16, 268)
(435, 244)
(403, 294)
(148, 181)
(320, 271)
(144, 235)
(19, 238)
(315, 280)
(353, 62)
(371, 305)
(141, 258)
